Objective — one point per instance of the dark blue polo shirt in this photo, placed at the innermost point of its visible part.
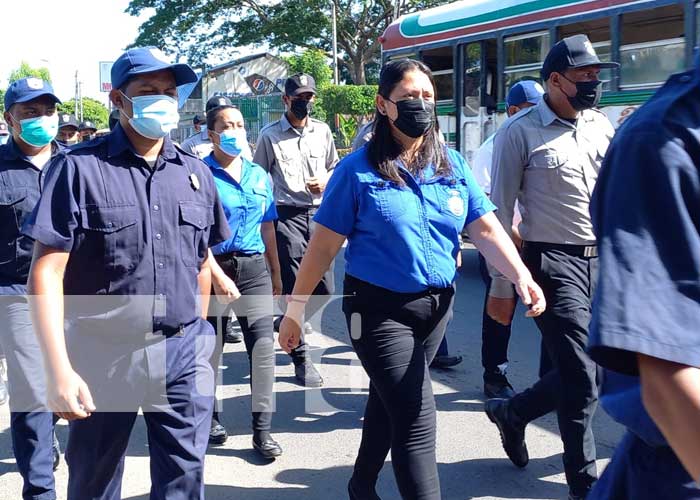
(131, 230)
(646, 214)
(20, 187)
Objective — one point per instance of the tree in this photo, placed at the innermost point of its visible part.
(2, 100)
(206, 30)
(313, 62)
(25, 70)
(93, 110)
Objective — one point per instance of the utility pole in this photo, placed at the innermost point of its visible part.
(77, 95)
(335, 45)
(398, 9)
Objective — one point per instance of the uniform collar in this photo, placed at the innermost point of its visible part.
(548, 116)
(284, 123)
(210, 160)
(10, 151)
(118, 142)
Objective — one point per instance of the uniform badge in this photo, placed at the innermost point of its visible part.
(303, 80)
(194, 181)
(35, 83)
(456, 203)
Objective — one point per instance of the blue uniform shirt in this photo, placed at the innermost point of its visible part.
(20, 187)
(131, 230)
(246, 204)
(646, 214)
(402, 238)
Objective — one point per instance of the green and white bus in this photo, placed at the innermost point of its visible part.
(477, 49)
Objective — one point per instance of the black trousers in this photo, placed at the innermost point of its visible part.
(294, 228)
(570, 388)
(254, 312)
(396, 336)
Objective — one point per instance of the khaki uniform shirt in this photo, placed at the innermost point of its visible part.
(291, 157)
(550, 166)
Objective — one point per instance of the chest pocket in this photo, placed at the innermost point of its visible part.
(550, 169)
(113, 233)
(453, 196)
(256, 200)
(193, 223)
(392, 201)
(11, 202)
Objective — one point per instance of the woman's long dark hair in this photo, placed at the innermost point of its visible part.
(384, 150)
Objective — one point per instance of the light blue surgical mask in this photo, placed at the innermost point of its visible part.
(38, 131)
(232, 142)
(153, 116)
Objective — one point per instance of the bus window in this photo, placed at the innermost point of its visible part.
(472, 78)
(598, 32)
(411, 55)
(524, 56)
(652, 46)
(440, 62)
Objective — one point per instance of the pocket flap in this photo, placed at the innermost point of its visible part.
(10, 197)
(108, 219)
(196, 215)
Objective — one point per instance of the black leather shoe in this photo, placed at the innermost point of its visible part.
(305, 371)
(500, 389)
(356, 494)
(268, 448)
(217, 433)
(445, 361)
(56, 448)
(512, 432)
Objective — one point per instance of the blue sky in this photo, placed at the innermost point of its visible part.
(65, 36)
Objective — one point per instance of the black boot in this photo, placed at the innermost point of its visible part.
(305, 371)
(496, 385)
(511, 428)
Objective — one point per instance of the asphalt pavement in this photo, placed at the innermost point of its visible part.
(319, 429)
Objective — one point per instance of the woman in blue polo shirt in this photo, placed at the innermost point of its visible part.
(249, 258)
(401, 202)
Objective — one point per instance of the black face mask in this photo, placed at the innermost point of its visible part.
(587, 94)
(301, 108)
(416, 116)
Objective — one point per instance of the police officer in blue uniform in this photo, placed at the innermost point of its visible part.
(30, 109)
(401, 202)
(249, 258)
(646, 214)
(123, 228)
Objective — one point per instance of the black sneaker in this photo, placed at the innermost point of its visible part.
(233, 333)
(305, 371)
(56, 448)
(512, 432)
(217, 433)
(445, 361)
(498, 388)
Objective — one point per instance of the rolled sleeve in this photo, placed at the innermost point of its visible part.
(338, 210)
(56, 216)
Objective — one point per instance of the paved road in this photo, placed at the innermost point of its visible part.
(320, 429)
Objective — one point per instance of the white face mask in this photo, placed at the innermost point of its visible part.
(153, 116)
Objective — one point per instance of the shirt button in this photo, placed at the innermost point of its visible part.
(156, 207)
(158, 236)
(161, 265)
(110, 224)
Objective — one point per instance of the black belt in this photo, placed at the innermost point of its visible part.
(236, 254)
(577, 250)
(294, 208)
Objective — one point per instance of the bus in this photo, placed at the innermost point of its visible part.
(477, 49)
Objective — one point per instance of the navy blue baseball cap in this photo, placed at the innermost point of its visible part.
(28, 89)
(147, 60)
(524, 91)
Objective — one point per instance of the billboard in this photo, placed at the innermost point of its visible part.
(105, 76)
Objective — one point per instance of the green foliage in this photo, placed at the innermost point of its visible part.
(313, 62)
(25, 70)
(347, 128)
(206, 30)
(2, 101)
(356, 100)
(93, 110)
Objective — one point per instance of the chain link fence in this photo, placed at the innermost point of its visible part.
(258, 111)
